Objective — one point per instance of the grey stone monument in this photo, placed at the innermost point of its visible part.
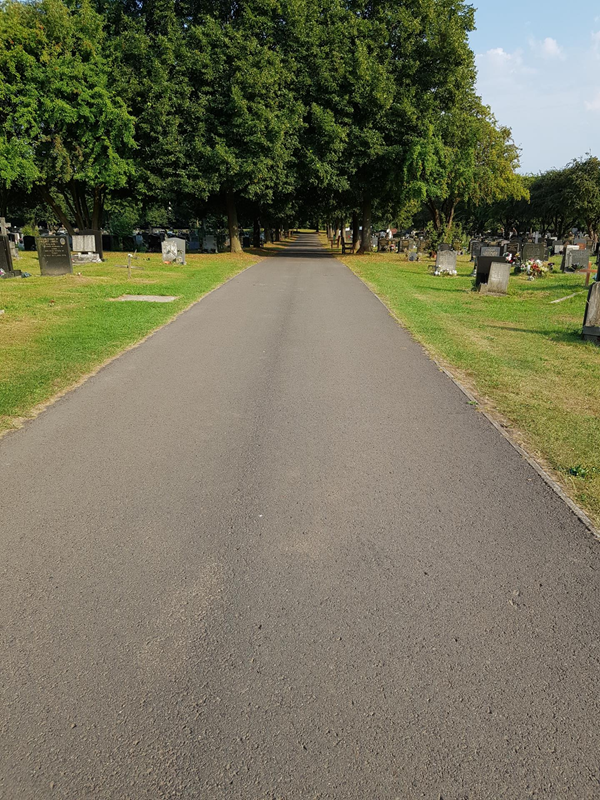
(6, 259)
(98, 248)
(209, 244)
(534, 252)
(490, 250)
(445, 263)
(173, 251)
(574, 258)
(492, 275)
(591, 320)
(55, 255)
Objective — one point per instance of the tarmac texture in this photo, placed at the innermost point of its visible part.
(273, 553)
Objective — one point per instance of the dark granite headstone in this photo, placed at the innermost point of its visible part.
(6, 261)
(491, 250)
(55, 255)
(29, 243)
(591, 320)
(534, 252)
(476, 250)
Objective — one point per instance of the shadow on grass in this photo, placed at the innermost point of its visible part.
(567, 336)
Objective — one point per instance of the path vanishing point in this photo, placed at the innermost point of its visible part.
(274, 554)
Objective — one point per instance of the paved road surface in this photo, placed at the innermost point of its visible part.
(273, 553)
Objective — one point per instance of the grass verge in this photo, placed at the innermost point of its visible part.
(522, 355)
(56, 330)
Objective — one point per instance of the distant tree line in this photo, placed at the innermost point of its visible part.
(127, 112)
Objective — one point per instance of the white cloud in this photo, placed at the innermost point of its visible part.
(594, 104)
(549, 48)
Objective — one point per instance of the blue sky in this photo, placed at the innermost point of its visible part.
(539, 69)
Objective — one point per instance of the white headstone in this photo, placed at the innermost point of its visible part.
(173, 251)
(84, 243)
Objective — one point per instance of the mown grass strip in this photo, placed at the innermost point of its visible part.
(521, 354)
(55, 330)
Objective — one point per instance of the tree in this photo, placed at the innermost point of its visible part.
(63, 130)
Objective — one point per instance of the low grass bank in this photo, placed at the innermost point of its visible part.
(522, 355)
(55, 330)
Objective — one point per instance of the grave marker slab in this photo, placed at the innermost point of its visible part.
(574, 258)
(535, 252)
(209, 244)
(55, 255)
(492, 275)
(173, 251)
(6, 261)
(445, 263)
(591, 320)
(490, 250)
(98, 241)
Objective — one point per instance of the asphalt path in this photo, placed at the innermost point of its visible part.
(273, 553)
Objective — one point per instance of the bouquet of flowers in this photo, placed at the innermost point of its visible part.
(535, 269)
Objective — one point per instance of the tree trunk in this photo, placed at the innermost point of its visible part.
(267, 232)
(50, 201)
(342, 231)
(365, 244)
(277, 234)
(450, 221)
(256, 233)
(232, 222)
(355, 232)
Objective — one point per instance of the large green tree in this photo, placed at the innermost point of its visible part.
(63, 130)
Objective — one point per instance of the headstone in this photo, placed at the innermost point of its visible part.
(173, 251)
(534, 252)
(492, 275)
(209, 244)
(445, 263)
(98, 241)
(6, 261)
(591, 320)
(476, 250)
(4, 226)
(413, 255)
(558, 249)
(491, 250)
(29, 243)
(444, 246)
(84, 243)
(154, 243)
(108, 243)
(13, 250)
(55, 255)
(574, 258)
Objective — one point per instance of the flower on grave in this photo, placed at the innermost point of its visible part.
(534, 268)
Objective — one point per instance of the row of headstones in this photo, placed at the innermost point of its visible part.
(54, 253)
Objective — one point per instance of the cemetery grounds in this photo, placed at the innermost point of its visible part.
(56, 330)
(521, 356)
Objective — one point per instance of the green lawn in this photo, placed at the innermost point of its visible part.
(521, 354)
(56, 330)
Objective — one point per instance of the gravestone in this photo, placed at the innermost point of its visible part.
(492, 275)
(444, 246)
(476, 250)
(591, 320)
(6, 261)
(491, 250)
(209, 244)
(514, 248)
(413, 255)
(445, 262)
(55, 255)
(558, 249)
(173, 251)
(574, 258)
(84, 243)
(534, 252)
(108, 242)
(13, 250)
(98, 241)
(29, 243)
